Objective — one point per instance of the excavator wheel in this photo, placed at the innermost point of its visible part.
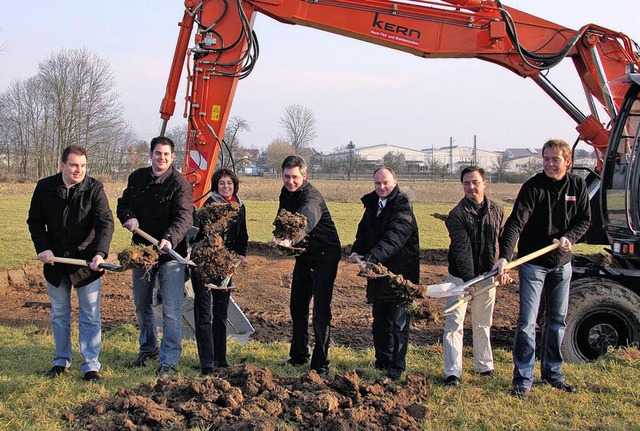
(602, 314)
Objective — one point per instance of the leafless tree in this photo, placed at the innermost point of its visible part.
(533, 167)
(70, 101)
(438, 169)
(178, 134)
(394, 160)
(299, 124)
(229, 152)
(277, 150)
(500, 166)
(353, 162)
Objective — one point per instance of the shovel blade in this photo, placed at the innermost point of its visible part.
(443, 290)
(111, 267)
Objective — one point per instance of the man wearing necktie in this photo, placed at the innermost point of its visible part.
(388, 234)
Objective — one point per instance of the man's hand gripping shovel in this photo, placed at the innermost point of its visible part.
(463, 287)
(174, 255)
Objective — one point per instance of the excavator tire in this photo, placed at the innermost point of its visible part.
(602, 314)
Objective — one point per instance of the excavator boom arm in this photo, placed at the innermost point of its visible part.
(226, 49)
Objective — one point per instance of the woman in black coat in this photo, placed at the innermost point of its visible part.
(211, 306)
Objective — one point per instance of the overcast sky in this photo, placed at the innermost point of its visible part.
(359, 92)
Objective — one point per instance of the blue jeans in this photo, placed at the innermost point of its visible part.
(169, 278)
(555, 283)
(89, 323)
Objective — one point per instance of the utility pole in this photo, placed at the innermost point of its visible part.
(475, 152)
(450, 154)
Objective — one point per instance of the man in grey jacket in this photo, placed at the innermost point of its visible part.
(474, 226)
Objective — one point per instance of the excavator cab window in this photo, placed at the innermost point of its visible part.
(621, 175)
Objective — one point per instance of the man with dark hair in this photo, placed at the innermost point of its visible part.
(474, 226)
(388, 234)
(316, 267)
(70, 217)
(159, 201)
(551, 205)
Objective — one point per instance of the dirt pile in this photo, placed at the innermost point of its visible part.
(246, 397)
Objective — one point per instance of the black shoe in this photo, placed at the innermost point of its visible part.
(562, 386)
(92, 376)
(206, 371)
(291, 362)
(488, 373)
(393, 376)
(143, 357)
(452, 381)
(165, 371)
(322, 372)
(381, 365)
(221, 365)
(55, 371)
(520, 392)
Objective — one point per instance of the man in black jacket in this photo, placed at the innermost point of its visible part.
(316, 267)
(70, 217)
(551, 205)
(474, 227)
(159, 200)
(388, 234)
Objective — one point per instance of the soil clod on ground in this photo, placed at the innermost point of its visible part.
(246, 397)
(138, 256)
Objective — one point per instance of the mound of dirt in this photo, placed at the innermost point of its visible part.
(245, 397)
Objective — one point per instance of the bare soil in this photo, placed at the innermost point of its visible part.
(245, 397)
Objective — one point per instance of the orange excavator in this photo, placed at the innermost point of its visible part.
(605, 301)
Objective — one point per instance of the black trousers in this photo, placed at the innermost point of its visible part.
(311, 280)
(210, 310)
(391, 323)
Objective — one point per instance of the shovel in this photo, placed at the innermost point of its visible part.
(224, 285)
(494, 272)
(375, 271)
(450, 289)
(174, 255)
(82, 262)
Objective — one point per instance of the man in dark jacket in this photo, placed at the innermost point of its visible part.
(551, 205)
(70, 217)
(316, 267)
(159, 201)
(474, 227)
(388, 234)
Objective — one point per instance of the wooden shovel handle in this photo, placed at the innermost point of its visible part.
(69, 261)
(510, 265)
(146, 236)
(531, 256)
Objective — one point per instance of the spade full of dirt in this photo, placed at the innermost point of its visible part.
(214, 261)
(138, 256)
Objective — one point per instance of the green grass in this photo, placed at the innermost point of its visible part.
(607, 398)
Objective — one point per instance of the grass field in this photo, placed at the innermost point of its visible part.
(608, 390)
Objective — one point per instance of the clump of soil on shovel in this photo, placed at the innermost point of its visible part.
(215, 217)
(214, 261)
(246, 397)
(290, 226)
(138, 256)
(405, 289)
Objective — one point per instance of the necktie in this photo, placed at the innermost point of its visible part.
(380, 206)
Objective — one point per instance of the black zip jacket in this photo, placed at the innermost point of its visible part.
(322, 241)
(71, 223)
(390, 239)
(163, 206)
(545, 210)
(474, 235)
